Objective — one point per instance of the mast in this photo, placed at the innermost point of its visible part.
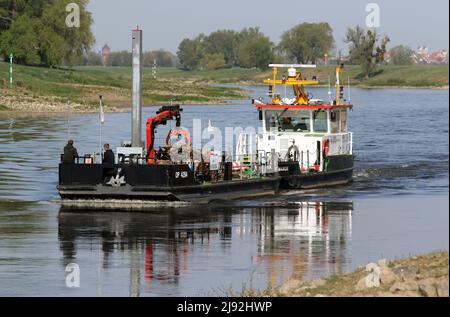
(136, 136)
(294, 79)
(339, 87)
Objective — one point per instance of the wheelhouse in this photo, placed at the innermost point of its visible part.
(299, 128)
(306, 119)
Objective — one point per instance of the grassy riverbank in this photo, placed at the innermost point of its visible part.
(413, 76)
(42, 89)
(425, 276)
(39, 89)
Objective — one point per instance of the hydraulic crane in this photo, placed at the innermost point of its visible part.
(162, 116)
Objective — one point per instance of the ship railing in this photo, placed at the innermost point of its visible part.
(245, 166)
(92, 159)
(351, 142)
(86, 159)
(256, 165)
(341, 143)
(307, 160)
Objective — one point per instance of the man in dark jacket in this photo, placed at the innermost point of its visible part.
(108, 156)
(70, 153)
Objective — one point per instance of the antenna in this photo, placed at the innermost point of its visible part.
(349, 94)
(329, 89)
(68, 119)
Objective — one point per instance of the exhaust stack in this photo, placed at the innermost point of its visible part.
(136, 123)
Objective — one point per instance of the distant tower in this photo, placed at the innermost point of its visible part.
(106, 51)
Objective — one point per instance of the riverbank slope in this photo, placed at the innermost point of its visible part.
(37, 89)
(388, 76)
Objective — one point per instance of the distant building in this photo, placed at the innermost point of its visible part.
(439, 57)
(106, 51)
(423, 56)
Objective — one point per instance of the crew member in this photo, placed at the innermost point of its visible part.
(287, 124)
(108, 156)
(70, 153)
(301, 125)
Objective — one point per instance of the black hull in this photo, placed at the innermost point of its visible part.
(169, 183)
(339, 172)
(87, 183)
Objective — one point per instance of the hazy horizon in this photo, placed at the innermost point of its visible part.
(166, 24)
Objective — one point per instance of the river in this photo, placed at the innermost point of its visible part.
(397, 206)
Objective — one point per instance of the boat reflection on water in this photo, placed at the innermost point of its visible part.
(311, 240)
(189, 250)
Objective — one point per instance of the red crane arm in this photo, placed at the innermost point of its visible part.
(165, 114)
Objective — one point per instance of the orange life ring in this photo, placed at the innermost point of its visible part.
(177, 132)
(326, 147)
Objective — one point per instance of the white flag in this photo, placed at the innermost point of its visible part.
(102, 112)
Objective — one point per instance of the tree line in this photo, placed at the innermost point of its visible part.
(162, 57)
(304, 43)
(226, 48)
(37, 34)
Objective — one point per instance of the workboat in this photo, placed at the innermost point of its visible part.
(174, 173)
(309, 136)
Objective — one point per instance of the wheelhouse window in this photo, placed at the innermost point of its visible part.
(320, 121)
(288, 121)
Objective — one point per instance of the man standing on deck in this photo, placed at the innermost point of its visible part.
(70, 153)
(108, 156)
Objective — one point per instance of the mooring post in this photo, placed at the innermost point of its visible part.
(136, 138)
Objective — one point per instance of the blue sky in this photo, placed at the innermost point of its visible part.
(166, 23)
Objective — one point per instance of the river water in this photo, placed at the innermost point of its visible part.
(397, 206)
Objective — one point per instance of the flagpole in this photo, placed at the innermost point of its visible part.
(101, 120)
(68, 119)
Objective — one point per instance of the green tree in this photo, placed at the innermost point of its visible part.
(247, 48)
(307, 42)
(401, 55)
(40, 25)
(364, 49)
(254, 49)
(121, 58)
(59, 43)
(222, 41)
(27, 50)
(9, 12)
(213, 61)
(92, 59)
(163, 58)
(190, 52)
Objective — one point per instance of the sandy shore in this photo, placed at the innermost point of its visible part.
(12, 103)
(21, 104)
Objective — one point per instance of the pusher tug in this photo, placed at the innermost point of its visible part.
(144, 176)
(310, 136)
